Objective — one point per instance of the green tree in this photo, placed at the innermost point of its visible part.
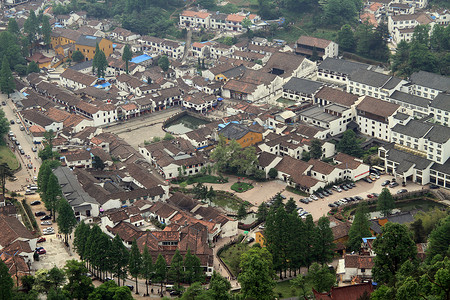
(418, 231)
(400, 60)
(316, 149)
(99, 62)
(392, 249)
(4, 126)
(46, 31)
(52, 195)
(194, 292)
(77, 56)
(126, 56)
(135, 262)
(219, 287)
(33, 67)
(306, 156)
(147, 267)
(160, 271)
(439, 240)
(360, 228)
(256, 277)
(168, 137)
(5, 172)
(98, 163)
(350, 144)
(290, 206)
(246, 23)
(110, 290)
(82, 232)
(300, 282)
(79, 286)
(6, 282)
(242, 212)
(43, 177)
(163, 63)
(321, 277)
(273, 173)
(193, 270)
(119, 258)
(7, 84)
(323, 245)
(346, 38)
(66, 219)
(262, 212)
(176, 270)
(13, 27)
(386, 202)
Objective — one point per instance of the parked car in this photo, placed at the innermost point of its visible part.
(304, 200)
(30, 166)
(325, 193)
(332, 205)
(329, 191)
(131, 287)
(344, 187)
(17, 142)
(314, 197)
(402, 191)
(22, 152)
(261, 227)
(47, 232)
(349, 186)
(39, 213)
(41, 251)
(46, 218)
(386, 182)
(283, 196)
(319, 195)
(34, 149)
(369, 196)
(393, 184)
(376, 195)
(30, 192)
(337, 203)
(36, 202)
(12, 122)
(250, 239)
(41, 239)
(175, 293)
(434, 186)
(22, 128)
(3, 103)
(358, 197)
(352, 184)
(46, 223)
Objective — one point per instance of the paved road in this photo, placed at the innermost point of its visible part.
(25, 175)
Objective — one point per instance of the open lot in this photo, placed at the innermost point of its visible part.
(263, 191)
(6, 156)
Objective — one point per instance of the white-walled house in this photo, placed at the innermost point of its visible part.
(75, 80)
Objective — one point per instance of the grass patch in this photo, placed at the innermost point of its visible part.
(231, 256)
(283, 289)
(207, 179)
(7, 156)
(227, 200)
(241, 187)
(295, 191)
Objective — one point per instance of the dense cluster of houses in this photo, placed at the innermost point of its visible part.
(403, 16)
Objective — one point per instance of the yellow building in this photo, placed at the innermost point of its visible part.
(63, 36)
(259, 238)
(242, 134)
(41, 60)
(86, 44)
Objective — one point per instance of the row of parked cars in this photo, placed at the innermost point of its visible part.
(345, 201)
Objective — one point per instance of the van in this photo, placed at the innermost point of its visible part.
(30, 192)
(33, 188)
(169, 287)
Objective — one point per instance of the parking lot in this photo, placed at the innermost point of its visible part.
(263, 191)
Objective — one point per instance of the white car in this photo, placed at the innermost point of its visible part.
(46, 223)
(314, 197)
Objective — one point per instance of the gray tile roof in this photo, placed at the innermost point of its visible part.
(234, 131)
(444, 168)
(301, 85)
(410, 99)
(375, 79)
(442, 101)
(401, 116)
(342, 66)
(82, 65)
(413, 128)
(438, 134)
(88, 40)
(406, 158)
(431, 80)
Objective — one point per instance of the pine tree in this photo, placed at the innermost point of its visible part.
(6, 282)
(176, 270)
(99, 62)
(43, 176)
(386, 202)
(160, 271)
(147, 266)
(32, 67)
(126, 56)
(12, 26)
(94, 234)
(323, 243)
(80, 238)
(66, 219)
(290, 206)
(52, 195)
(360, 228)
(242, 212)
(193, 270)
(135, 262)
(7, 84)
(119, 258)
(46, 31)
